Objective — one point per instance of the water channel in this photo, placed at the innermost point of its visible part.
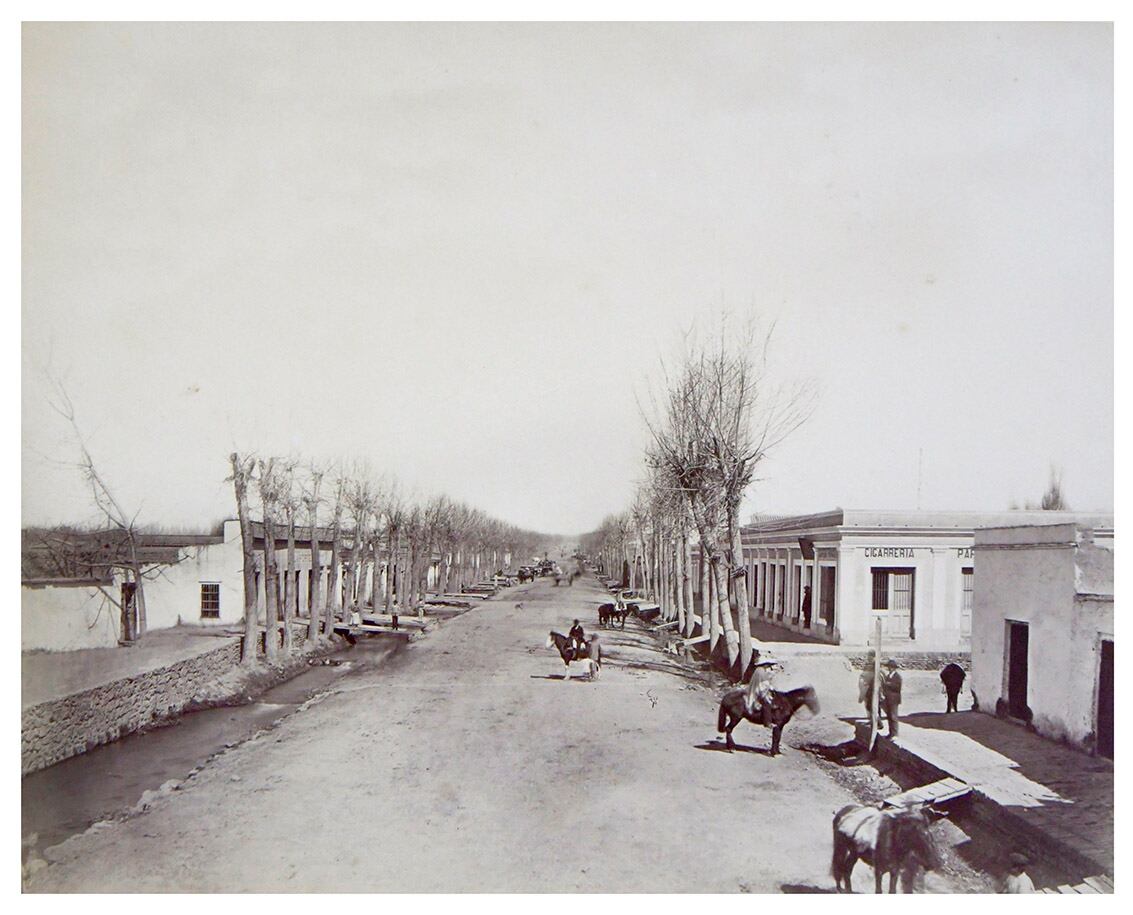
(65, 799)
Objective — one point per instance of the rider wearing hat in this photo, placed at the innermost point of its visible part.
(577, 637)
(759, 689)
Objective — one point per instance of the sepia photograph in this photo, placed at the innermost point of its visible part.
(580, 457)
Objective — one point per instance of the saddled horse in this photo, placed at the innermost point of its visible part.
(733, 710)
(590, 652)
(608, 614)
(894, 841)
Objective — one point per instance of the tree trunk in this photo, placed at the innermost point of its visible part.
(686, 579)
(391, 571)
(251, 630)
(411, 590)
(442, 571)
(316, 604)
(678, 554)
(356, 580)
(739, 584)
(271, 592)
(139, 590)
(731, 638)
(334, 599)
(708, 608)
(290, 592)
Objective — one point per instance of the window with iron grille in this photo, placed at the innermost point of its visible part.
(210, 600)
(880, 589)
(968, 578)
(893, 589)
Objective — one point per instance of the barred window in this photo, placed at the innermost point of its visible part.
(968, 578)
(210, 600)
(893, 589)
(880, 589)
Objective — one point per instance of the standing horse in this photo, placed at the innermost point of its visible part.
(608, 614)
(733, 710)
(893, 841)
(590, 652)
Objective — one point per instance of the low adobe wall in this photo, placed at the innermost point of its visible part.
(60, 728)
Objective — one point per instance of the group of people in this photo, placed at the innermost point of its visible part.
(890, 690)
(951, 676)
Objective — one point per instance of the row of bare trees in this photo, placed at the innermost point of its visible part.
(385, 545)
(713, 421)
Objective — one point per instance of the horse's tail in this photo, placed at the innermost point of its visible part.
(722, 716)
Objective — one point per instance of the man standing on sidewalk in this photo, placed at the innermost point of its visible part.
(891, 694)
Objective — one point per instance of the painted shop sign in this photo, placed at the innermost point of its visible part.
(889, 552)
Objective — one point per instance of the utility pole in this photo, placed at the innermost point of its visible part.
(875, 699)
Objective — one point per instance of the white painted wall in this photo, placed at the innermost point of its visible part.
(175, 595)
(1027, 574)
(66, 618)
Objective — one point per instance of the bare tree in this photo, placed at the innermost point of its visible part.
(334, 598)
(359, 500)
(272, 483)
(1053, 499)
(242, 468)
(722, 414)
(289, 502)
(312, 501)
(133, 602)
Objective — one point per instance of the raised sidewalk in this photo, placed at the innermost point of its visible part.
(1054, 801)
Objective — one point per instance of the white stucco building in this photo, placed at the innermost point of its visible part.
(914, 569)
(194, 579)
(1042, 630)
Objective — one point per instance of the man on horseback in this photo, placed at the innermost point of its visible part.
(759, 690)
(577, 638)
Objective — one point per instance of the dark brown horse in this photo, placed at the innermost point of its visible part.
(608, 614)
(894, 841)
(733, 710)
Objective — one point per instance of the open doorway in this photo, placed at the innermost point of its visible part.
(1104, 729)
(1018, 644)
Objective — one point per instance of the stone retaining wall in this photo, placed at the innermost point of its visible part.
(917, 660)
(60, 728)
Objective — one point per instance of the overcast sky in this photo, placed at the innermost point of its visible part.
(460, 251)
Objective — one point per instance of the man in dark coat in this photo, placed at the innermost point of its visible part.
(952, 676)
(890, 694)
(577, 637)
(806, 606)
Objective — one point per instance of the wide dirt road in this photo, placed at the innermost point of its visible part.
(467, 764)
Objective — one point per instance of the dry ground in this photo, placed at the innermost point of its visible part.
(467, 764)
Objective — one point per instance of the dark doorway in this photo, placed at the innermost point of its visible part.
(1018, 639)
(1105, 702)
